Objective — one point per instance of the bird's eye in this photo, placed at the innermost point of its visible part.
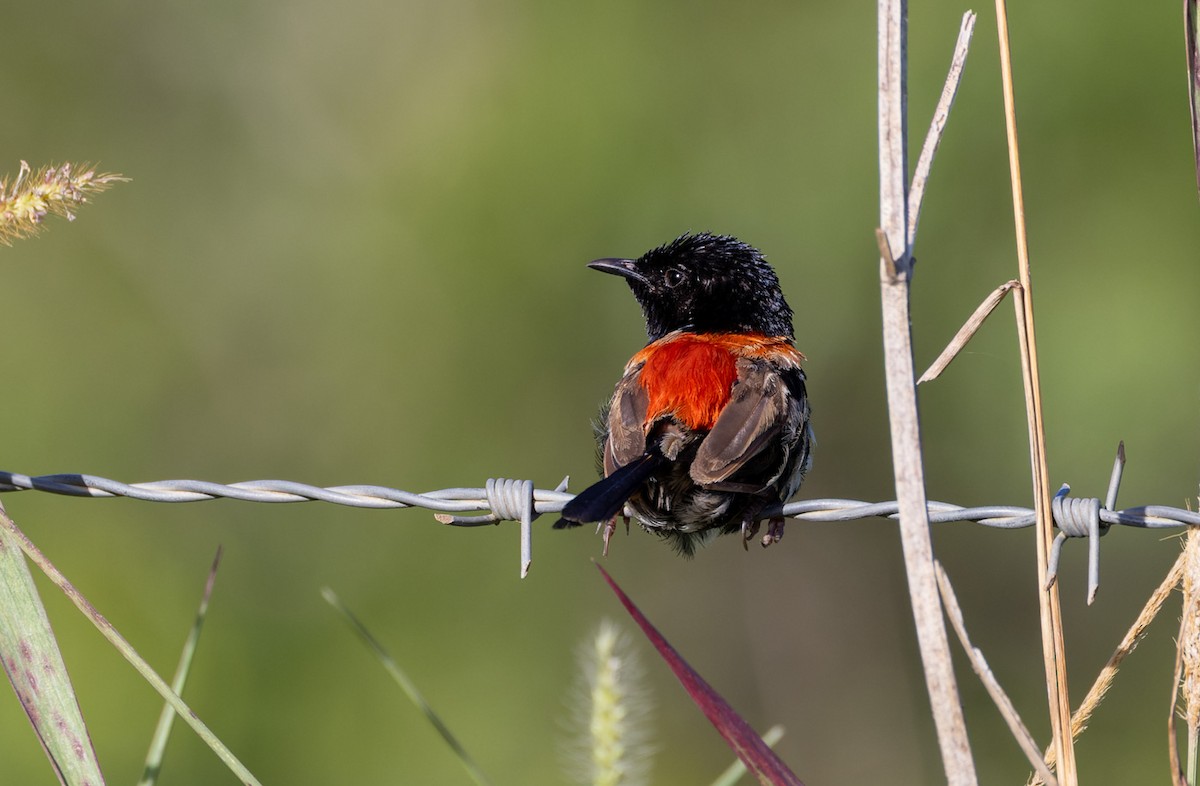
(673, 278)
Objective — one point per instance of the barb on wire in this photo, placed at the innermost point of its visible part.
(509, 500)
(1081, 518)
(515, 500)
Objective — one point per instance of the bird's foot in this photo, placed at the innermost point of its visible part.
(774, 532)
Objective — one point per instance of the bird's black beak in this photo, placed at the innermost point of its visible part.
(626, 268)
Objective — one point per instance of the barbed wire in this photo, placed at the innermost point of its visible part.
(519, 500)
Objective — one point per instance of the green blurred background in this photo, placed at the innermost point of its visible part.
(352, 252)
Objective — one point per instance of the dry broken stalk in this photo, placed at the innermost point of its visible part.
(967, 331)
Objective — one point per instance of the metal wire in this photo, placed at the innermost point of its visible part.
(516, 500)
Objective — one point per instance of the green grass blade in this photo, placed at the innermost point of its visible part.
(9, 527)
(38, 674)
(408, 686)
(162, 732)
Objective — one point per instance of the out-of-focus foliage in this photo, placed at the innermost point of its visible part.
(352, 252)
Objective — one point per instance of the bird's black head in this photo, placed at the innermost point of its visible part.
(705, 284)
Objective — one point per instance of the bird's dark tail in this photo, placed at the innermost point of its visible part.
(601, 501)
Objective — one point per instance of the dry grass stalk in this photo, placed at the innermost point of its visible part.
(53, 190)
(937, 127)
(1128, 643)
(984, 671)
(1053, 645)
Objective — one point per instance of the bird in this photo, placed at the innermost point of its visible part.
(709, 425)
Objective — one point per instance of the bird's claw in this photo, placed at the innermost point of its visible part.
(608, 528)
(749, 530)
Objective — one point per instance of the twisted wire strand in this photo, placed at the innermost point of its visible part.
(468, 499)
(519, 500)
(451, 500)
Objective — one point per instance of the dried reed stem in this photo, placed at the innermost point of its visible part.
(1053, 646)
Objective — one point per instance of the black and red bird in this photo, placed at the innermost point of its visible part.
(710, 423)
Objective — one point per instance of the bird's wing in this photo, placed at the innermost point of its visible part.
(759, 411)
(626, 419)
